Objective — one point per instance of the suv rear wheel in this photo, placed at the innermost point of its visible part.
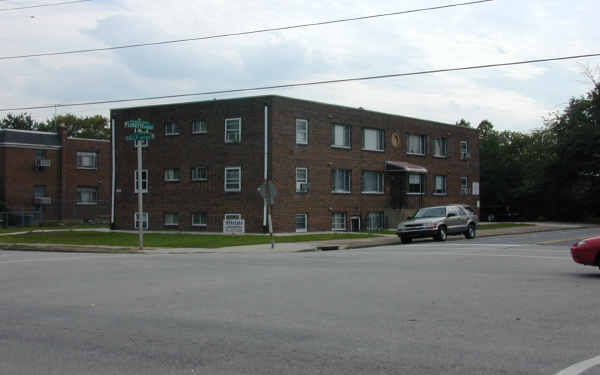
(405, 239)
(470, 233)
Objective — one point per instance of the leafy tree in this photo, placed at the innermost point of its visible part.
(95, 127)
(463, 123)
(21, 121)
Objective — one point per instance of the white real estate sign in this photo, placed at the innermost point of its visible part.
(475, 188)
(234, 226)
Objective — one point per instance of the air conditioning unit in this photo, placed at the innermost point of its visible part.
(303, 188)
(42, 163)
(42, 201)
(465, 155)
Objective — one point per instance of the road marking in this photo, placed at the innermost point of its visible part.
(33, 260)
(557, 241)
(580, 367)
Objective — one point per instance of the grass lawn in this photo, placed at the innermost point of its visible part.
(167, 240)
(14, 229)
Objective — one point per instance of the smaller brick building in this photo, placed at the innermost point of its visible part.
(62, 178)
(334, 167)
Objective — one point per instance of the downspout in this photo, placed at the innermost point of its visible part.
(266, 162)
(112, 190)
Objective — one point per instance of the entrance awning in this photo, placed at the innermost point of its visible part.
(402, 166)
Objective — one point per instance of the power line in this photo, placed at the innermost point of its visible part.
(44, 5)
(239, 33)
(299, 84)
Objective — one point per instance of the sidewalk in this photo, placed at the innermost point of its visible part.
(380, 240)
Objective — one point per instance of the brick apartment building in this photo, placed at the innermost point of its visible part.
(334, 167)
(49, 176)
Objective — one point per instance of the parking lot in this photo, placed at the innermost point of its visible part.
(499, 305)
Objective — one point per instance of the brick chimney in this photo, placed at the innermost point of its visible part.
(62, 133)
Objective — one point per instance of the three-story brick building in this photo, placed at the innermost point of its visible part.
(334, 167)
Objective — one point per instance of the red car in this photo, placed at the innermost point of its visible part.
(587, 251)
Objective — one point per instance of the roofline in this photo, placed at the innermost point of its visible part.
(88, 139)
(30, 145)
(296, 99)
(29, 131)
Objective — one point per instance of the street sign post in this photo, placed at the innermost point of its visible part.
(140, 134)
(268, 192)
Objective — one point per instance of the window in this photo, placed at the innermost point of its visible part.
(233, 179)
(39, 191)
(136, 220)
(375, 221)
(301, 223)
(341, 136)
(172, 174)
(198, 219)
(440, 147)
(144, 181)
(233, 217)
(171, 218)
(416, 144)
(341, 179)
(87, 195)
(440, 185)
(372, 182)
(233, 130)
(373, 139)
(199, 127)
(87, 160)
(464, 185)
(416, 183)
(338, 221)
(301, 131)
(171, 128)
(199, 174)
(464, 150)
(301, 180)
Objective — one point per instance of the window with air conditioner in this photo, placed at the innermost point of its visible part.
(301, 180)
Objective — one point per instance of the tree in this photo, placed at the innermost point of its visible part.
(95, 127)
(21, 121)
(463, 123)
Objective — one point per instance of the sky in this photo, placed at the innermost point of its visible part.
(516, 98)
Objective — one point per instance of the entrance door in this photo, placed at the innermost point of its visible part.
(355, 224)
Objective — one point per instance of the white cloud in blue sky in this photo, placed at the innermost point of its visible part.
(500, 31)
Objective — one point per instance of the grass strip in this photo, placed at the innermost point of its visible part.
(173, 240)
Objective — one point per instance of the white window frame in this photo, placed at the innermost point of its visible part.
(347, 181)
(172, 215)
(87, 189)
(347, 136)
(199, 127)
(380, 140)
(135, 184)
(301, 180)
(82, 155)
(337, 225)
(172, 175)
(144, 220)
(194, 171)
(443, 147)
(423, 145)
(237, 134)
(421, 184)
(201, 215)
(305, 217)
(301, 134)
(440, 185)
(464, 185)
(171, 128)
(380, 183)
(239, 185)
(379, 216)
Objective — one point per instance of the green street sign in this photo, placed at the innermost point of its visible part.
(139, 137)
(139, 124)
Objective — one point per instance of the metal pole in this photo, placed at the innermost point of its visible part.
(140, 204)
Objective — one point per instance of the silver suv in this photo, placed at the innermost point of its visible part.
(438, 222)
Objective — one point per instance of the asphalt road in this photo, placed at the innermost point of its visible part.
(502, 305)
